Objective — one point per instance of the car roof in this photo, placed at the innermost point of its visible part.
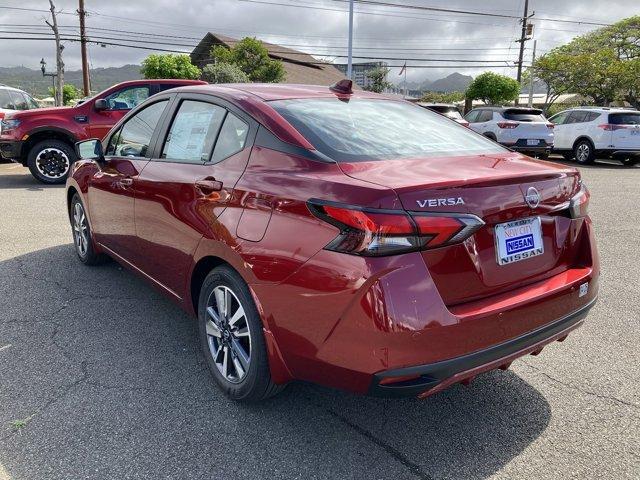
(7, 87)
(602, 109)
(276, 91)
(511, 109)
(428, 104)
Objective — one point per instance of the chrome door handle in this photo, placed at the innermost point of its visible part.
(208, 185)
(126, 182)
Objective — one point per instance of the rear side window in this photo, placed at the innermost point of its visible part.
(591, 116)
(5, 100)
(31, 102)
(524, 117)
(231, 139)
(193, 132)
(577, 116)
(368, 129)
(134, 138)
(631, 118)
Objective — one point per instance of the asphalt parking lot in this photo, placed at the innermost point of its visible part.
(101, 377)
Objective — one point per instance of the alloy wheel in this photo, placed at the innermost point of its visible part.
(53, 163)
(582, 152)
(228, 334)
(80, 230)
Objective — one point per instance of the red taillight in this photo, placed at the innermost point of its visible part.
(509, 125)
(579, 203)
(373, 232)
(609, 127)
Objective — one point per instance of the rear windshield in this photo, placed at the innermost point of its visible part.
(367, 129)
(524, 116)
(631, 118)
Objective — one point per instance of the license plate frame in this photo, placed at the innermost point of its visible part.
(518, 240)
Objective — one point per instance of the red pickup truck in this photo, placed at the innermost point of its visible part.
(43, 139)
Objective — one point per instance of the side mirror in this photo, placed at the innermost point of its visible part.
(100, 105)
(90, 150)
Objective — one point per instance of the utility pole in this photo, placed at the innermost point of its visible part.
(523, 38)
(86, 83)
(59, 62)
(533, 61)
(350, 52)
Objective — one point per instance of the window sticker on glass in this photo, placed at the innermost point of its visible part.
(193, 132)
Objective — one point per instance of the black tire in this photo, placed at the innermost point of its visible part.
(256, 384)
(490, 136)
(630, 162)
(567, 155)
(583, 152)
(50, 161)
(543, 156)
(87, 255)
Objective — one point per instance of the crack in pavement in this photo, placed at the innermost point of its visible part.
(397, 455)
(580, 389)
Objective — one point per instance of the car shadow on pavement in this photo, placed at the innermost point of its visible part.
(101, 377)
(16, 176)
(605, 164)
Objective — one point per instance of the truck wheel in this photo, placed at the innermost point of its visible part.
(50, 161)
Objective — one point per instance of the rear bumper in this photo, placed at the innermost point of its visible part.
(434, 377)
(544, 146)
(11, 150)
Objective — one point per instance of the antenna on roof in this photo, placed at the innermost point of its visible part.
(343, 86)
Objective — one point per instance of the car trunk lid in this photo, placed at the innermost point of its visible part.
(494, 188)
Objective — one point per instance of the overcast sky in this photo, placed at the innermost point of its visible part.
(379, 31)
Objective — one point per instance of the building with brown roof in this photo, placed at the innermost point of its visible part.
(301, 67)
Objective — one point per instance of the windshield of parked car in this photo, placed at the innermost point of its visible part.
(524, 116)
(631, 118)
(368, 129)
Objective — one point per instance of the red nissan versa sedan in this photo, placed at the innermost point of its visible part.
(337, 237)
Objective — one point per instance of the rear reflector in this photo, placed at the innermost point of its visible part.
(376, 232)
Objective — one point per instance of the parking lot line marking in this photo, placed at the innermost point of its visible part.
(5, 347)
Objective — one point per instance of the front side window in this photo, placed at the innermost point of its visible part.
(6, 101)
(193, 132)
(127, 98)
(472, 116)
(134, 137)
(560, 118)
(18, 100)
(368, 129)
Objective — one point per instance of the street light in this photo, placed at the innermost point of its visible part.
(43, 69)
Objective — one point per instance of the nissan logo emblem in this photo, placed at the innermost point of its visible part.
(532, 197)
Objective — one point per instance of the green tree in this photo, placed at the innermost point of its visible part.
(252, 57)
(169, 66)
(602, 65)
(378, 77)
(493, 89)
(69, 93)
(442, 97)
(224, 73)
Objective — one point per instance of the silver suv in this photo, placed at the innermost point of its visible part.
(519, 128)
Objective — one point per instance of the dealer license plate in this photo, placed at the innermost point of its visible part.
(519, 240)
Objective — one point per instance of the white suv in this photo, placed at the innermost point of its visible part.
(12, 99)
(586, 133)
(519, 128)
